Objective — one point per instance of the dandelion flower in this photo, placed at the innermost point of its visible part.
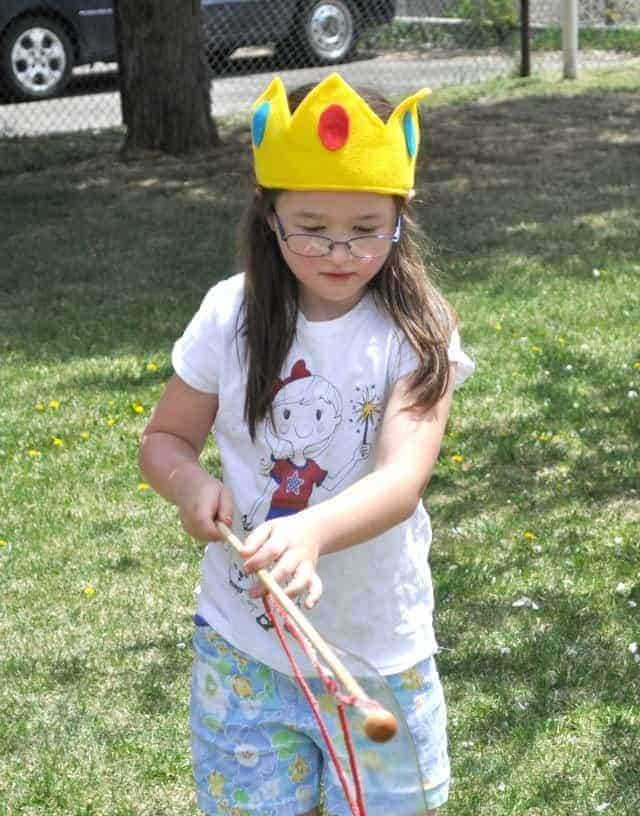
(637, 365)
(58, 443)
(536, 349)
(40, 406)
(498, 327)
(3, 543)
(89, 590)
(84, 435)
(33, 452)
(152, 367)
(562, 341)
(111, 421)
(143, 486)
(137, 408)
(529, 536)
(54, 404)
(457, 458)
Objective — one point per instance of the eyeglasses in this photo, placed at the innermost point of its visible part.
(364, 247)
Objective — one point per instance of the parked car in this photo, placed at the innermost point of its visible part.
(41, 41)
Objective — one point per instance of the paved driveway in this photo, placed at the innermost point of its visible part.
(93, 102)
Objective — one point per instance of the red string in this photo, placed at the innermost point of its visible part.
(356, 802)
(351, 751)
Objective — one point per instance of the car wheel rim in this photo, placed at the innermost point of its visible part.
(330, 30)
(38, 60)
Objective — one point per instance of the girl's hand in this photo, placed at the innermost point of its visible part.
(291, 548)
(208, 501)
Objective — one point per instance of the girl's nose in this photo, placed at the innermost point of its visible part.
(340, 253)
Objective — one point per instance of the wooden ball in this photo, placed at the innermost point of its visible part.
(380, 726)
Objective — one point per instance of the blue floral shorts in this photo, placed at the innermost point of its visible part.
(257, 750)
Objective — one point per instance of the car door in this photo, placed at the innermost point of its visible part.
(245, 22)
(95, 18)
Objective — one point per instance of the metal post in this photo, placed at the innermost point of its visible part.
(570, 38)
(525, 47)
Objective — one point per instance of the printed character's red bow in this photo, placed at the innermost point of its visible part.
(298, 372)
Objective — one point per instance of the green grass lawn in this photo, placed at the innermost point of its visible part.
(530, 196)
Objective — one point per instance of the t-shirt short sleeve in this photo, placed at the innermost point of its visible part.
(406, 360)
(465, 365)
(195, 356)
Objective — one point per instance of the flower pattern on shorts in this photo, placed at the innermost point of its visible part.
(253, 756)
(255, 750)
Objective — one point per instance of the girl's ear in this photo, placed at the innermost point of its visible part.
(411, 195)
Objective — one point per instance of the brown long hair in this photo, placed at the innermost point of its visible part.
(402, 286)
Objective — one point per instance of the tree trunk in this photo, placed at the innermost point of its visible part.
(164, 81)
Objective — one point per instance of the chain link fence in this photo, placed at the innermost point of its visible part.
(609, 33)
(58, 71)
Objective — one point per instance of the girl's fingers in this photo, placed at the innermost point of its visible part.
(286, 568)
(304, 579)
(301, 580)
(266, 554)
(225, 506)
(200, 526)
(255, 540)
(315, 591)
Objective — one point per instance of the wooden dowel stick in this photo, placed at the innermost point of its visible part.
(380, 725)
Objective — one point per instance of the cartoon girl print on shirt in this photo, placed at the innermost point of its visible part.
(307, 410)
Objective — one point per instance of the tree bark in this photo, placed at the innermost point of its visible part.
(164, 80)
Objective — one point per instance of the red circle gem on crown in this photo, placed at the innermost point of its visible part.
(333, 127)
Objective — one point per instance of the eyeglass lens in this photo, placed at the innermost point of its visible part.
(318, 245)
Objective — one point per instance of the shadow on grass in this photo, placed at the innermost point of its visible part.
(540, 180)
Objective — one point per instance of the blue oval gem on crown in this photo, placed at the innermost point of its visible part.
(259, 123)
(410, 135)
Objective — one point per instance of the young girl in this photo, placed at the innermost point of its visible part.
(327, 370)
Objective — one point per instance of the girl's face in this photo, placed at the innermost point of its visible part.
(331, 285)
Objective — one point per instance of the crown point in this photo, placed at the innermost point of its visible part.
(333, 127)
(259, 123)
(410, 134)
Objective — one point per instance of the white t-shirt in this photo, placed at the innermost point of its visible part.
(378, 595)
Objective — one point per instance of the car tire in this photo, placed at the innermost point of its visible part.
(325, 33)
(36, 58)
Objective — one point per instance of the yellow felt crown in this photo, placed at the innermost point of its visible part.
(334, 141)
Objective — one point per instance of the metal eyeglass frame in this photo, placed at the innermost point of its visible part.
(331, 243)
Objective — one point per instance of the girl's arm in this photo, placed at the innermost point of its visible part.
(407, 452)
(169, 457)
